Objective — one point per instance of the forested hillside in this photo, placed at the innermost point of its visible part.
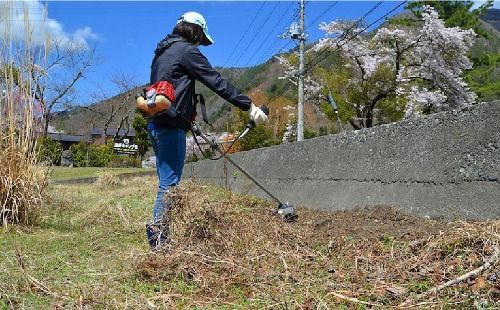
(263, 85)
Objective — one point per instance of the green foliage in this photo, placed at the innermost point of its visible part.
(259, 137)
(48, 150)
(124, 161)
(345, 93)
(484, 78)
(309, 134)
(323, 131)
(252, 77)
(455, 13)
(208, 153)
(225, 109)
(192, 158)
(13, 72)
(141, 138)
(92, 155)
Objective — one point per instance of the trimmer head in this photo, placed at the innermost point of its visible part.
(287, 212)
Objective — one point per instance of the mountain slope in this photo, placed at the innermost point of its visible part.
(261, 83)
(492, 17)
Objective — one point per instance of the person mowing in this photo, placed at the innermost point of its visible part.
(176, 65)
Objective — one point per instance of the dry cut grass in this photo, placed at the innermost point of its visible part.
(88, 250)
(233, 252)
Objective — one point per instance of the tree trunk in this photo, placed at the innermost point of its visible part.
(46, 121)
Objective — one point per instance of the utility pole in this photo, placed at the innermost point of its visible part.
(300, 105)
(297, 32)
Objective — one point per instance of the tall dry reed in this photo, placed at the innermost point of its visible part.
(22, 181)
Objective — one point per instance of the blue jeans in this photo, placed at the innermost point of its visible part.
(169, 145)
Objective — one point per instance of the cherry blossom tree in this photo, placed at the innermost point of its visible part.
(291, 72)
(409, 69)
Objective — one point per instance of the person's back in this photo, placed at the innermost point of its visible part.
(168, 65)
(179, 62)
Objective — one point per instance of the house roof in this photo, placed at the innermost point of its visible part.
(67, 138)
(112, 132)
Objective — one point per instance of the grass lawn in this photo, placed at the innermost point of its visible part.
(67, 173)
(87, 250)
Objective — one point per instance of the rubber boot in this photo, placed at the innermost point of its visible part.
(151, 236)
(157, 237)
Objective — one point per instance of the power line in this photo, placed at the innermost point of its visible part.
(244, 34)
(334, 3)
(278, 21)
(274, 47)
(346, 32)
(282, 46)
(289, 83)
(277, 41)
(311, 65)
(258, 32)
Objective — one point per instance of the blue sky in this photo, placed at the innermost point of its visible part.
(126, 32)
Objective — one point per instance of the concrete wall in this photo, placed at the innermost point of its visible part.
(444, 165)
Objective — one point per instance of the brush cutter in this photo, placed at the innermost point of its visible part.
(285, 210)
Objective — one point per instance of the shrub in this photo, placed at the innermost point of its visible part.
(124, 161)
(309, 134)
(92, 155)
(48, 150)
(259, 137)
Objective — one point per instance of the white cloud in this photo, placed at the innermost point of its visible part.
(19, 16)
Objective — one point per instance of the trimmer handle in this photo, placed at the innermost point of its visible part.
(264, 109)
(251, 124)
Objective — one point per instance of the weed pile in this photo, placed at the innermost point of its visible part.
(229, 249)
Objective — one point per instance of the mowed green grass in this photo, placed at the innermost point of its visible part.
(68, 173)
(81, 251)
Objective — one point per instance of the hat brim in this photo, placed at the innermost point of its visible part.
(207, 39)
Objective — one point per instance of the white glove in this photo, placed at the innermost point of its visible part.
(257, 115)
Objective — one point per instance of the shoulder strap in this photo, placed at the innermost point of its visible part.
(198, 98)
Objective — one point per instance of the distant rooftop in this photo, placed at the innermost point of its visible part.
(68, 138)
(112, 132)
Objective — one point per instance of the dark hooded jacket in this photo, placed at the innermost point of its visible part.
(181, 63)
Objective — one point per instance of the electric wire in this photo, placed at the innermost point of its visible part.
(277, 47)
(276, 39)
(357, 22)
(339, 45)
(346, 32)
(291, 20)
(266, 38)
(311, 65)
(334, 3)
(244, 34)
(257, 34)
